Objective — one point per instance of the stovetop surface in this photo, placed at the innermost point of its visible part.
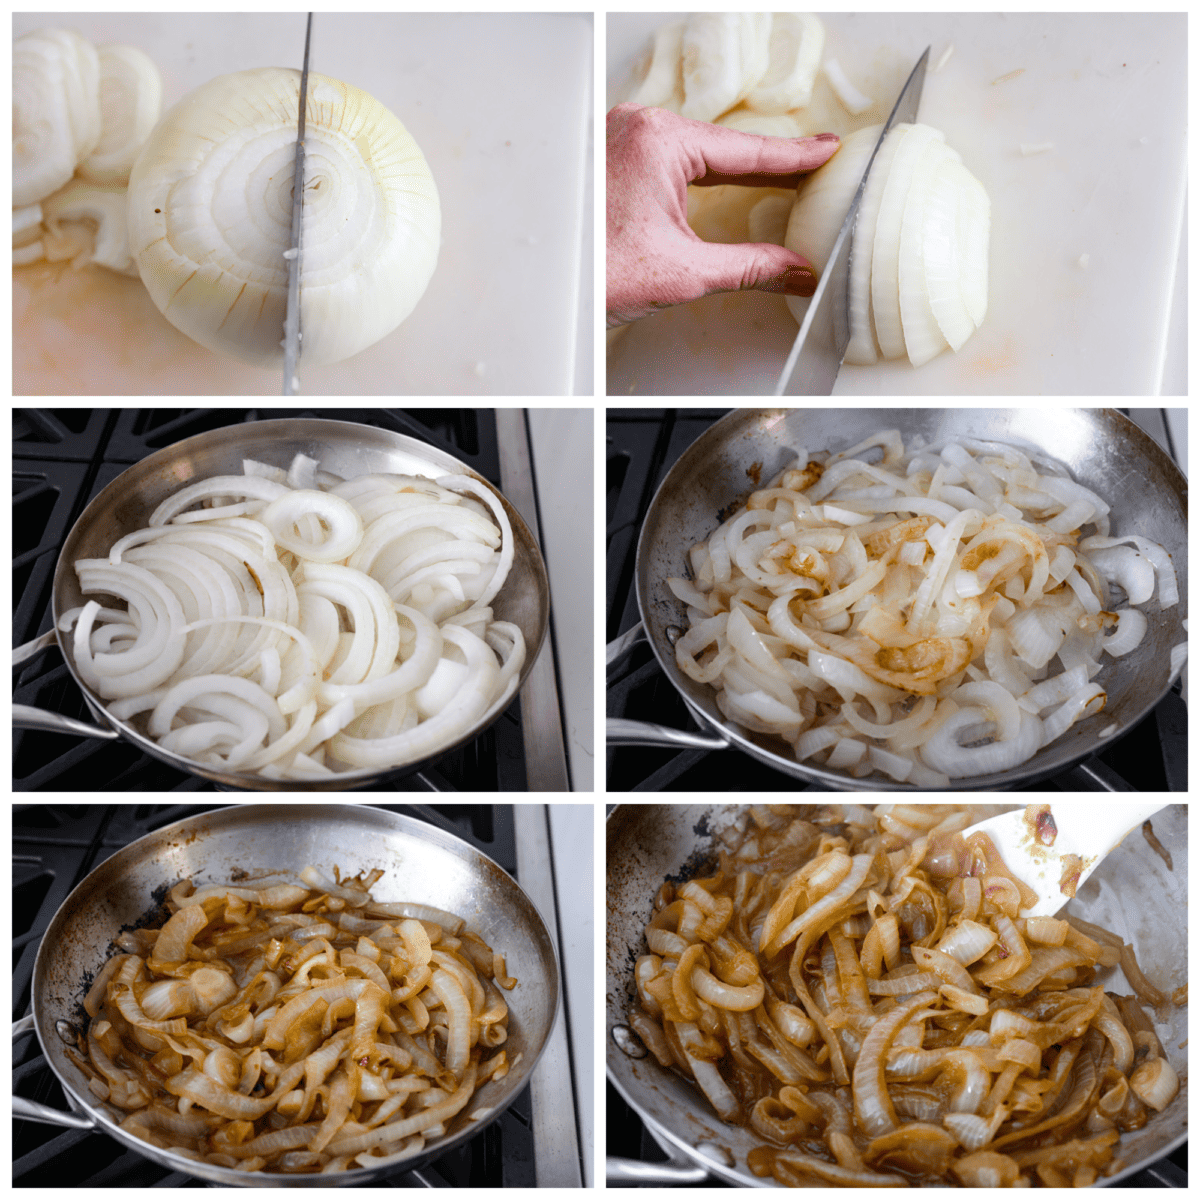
(62, 458)
(54, 848)
(642, 446)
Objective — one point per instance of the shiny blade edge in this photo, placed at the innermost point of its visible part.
(291, 320)
(907, 105)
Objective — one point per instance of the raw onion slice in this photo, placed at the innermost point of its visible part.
(794, 55)
(344, 525)
(657, 76)
(851, 99)
(863, 348)
(724, 56)
(885, 254)
(922, 335)
(944, 257)
(130, 101)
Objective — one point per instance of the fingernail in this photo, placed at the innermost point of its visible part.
(795, 281)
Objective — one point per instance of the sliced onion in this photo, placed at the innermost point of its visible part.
(1168, 585)
(247, 667)
(923, 338)
(1155, 1083)
(1123, 565)
(885, 254)
(851, 99)
(967, 625)
(945, 753)
(1131, 629)
(794, 55)
(344, 525)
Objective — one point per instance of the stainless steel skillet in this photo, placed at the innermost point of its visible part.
(1100, 447)
(422, 864)
(342, 447)
(1132, 893)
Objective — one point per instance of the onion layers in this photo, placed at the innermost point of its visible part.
(919, 261)
(210, 203)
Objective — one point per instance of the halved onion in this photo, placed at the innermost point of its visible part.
(918, 264)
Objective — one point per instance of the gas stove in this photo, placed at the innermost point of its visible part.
(534, 1143)
(643, 444)
(62, 458)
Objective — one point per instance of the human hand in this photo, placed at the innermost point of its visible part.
(654, 258)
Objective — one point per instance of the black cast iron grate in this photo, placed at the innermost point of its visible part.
(642, 446)
(54, 848)
(62, 458)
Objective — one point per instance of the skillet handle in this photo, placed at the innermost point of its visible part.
(21, 653)
(627, 1172)
(31, 1110)
(622, 732)
(26, 717)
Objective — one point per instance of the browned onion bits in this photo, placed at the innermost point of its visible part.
(880, 1015)
(295, 1028)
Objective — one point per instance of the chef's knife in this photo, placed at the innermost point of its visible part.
(816, 357)
(291, 320)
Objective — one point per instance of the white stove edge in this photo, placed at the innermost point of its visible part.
(561, 441)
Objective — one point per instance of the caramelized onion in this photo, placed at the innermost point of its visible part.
(281, 1029)
(955, 573)
(976, 1047)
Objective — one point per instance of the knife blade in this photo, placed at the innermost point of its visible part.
(816, 355)
(291, 319)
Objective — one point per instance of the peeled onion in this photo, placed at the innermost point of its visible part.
(918, 263)
(210, 209)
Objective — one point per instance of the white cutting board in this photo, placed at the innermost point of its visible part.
(500, 106)
(1109, 90)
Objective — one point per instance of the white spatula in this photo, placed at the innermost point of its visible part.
(1034, 852)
